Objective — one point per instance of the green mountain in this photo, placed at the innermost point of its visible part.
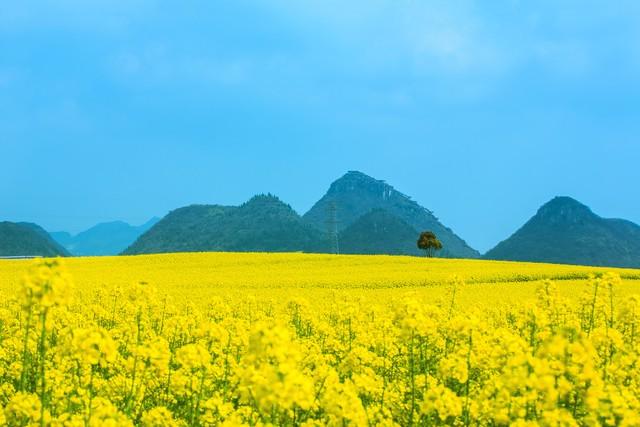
(109, 238)
(356, 194)
(263, 224)
(370, 216)
(27, 239)
(568, 232)
(379, 232)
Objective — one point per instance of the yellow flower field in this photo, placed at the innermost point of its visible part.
(296, 339)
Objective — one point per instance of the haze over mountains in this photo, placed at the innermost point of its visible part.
(357, 215)
(108, 238)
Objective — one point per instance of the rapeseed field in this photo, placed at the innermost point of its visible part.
(296, 339)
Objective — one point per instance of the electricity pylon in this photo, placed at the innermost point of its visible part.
(332, 226)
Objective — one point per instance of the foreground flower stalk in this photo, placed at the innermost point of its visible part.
(126, 354)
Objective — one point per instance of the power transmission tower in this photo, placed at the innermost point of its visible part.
(332, 226)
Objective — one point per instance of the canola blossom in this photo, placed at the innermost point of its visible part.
(294, 339)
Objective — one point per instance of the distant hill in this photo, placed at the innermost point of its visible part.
(372, 218)
(568, 232)
(379, 232)
(356, 194)
(109, 238)
(27, 239)
(263, 224)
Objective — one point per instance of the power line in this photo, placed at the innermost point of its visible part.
(332, 226)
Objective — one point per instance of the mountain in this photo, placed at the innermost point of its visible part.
(263, 224)
(568, 232)
(379, 232)
(62, 237)
(371, 217)
(356, 194)
(109, 238)
(27, 239)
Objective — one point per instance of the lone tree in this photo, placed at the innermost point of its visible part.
(429, 243)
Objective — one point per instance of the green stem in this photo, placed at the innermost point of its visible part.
(200, 392)
(413, 380)
(466, 391)
(25, 350)
(593, 307)
(453, 299)
(90, 396)
(135, 367)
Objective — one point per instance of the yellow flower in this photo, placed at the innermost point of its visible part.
(298, 339)
(159, 417)
(23, 409)
(442, 402)
(46, 285)
(193, 357)
(104, 413)
(93, 346)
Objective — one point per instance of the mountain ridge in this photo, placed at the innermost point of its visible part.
(564, 230)
(27, 239)
(262, 224)
(362, 215)
(361, 201)
(356, 194)
(106, 238)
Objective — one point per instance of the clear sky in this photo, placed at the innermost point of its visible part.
(480, 110)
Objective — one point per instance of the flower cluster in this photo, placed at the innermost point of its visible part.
(566, 353)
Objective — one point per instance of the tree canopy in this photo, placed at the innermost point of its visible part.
(429, 243)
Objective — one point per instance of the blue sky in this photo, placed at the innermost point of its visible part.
(481, 111)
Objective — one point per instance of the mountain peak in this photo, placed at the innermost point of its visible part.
(356, 181)
(356, 194)
(262, 224)
(357, 175)
(262, 200)
(563, 209)
(566, 231)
